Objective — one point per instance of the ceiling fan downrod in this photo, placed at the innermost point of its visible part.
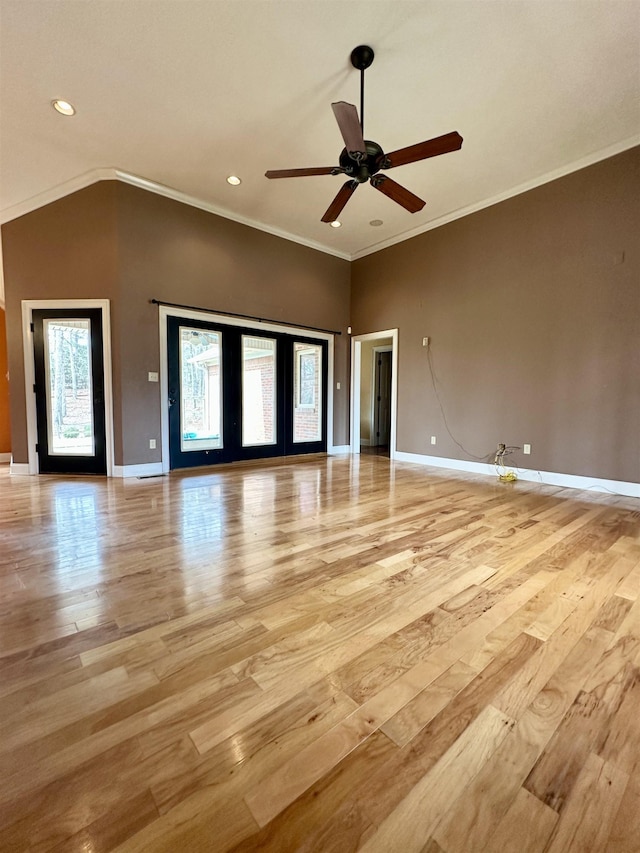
(361, 58)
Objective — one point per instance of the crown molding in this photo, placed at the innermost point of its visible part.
(55, 193)
(589, 160)
(113, 174)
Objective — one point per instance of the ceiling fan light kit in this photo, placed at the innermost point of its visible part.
(362, 159)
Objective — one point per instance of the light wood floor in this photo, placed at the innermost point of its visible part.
(332, 654)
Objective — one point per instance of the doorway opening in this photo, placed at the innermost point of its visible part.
(374, 393)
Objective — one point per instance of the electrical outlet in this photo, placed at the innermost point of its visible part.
(425, 341)
(433, 439)
(153, 377)
(337, 386)
(526, 448)
(152, 444)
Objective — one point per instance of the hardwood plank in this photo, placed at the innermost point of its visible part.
(587, 821)
(197, 824)
(585, 724)
(516, 696)
(112, 828)
(625, 830)
(377, 796)
(41, 762)
(417, 713)
(324, 816)
(409, 825)
(293, 778)
(473, 818)
(525, 827)
(618, 741)
(260, 749)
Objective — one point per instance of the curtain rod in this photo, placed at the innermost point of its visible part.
(243, 316)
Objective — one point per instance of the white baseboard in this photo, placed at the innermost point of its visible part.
(150, 469)
(4, 458)
(339, 448)
(19, 468)
(548, 478)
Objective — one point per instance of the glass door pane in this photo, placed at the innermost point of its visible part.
(307, 389)
(69, 395)
(200, 389)
(258, 391)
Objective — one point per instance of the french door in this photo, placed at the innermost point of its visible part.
(69, 391)
(240, 393)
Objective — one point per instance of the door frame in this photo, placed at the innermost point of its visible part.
(28, 307)
(166, 311)
(356, 363)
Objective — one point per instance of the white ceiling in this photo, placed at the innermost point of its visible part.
(182, 93)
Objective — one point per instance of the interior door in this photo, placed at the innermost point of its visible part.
(69, 391)
(382, 402)
(241, 393)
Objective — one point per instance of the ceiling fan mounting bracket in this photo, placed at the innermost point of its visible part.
(362, 56)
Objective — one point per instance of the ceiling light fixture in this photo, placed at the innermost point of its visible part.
(376, 222)
(63, 107)
(234, 180)
(335, 223)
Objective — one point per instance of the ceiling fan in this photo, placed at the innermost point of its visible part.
(361, 159)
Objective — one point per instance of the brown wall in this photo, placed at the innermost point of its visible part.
(532, 305)
(534, 324)
(176, 253)
(5, 425)
(66, 250)
(116, 241)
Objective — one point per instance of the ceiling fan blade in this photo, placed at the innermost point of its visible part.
(397, 193)
(347, 118)
(345, 193)
(431, 148)
(300, 173)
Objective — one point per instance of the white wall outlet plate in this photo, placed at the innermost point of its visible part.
(153, 377)
(433, 439)
(526, 448)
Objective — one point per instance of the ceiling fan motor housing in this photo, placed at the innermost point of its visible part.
(363, 169)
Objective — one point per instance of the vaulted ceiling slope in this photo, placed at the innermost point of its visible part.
(178, 94)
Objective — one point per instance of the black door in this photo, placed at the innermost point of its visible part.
(69, 389)
(240, 393)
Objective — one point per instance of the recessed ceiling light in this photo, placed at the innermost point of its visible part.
(376, 222)
(63, 107)
(335, 224)
(234, 180)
